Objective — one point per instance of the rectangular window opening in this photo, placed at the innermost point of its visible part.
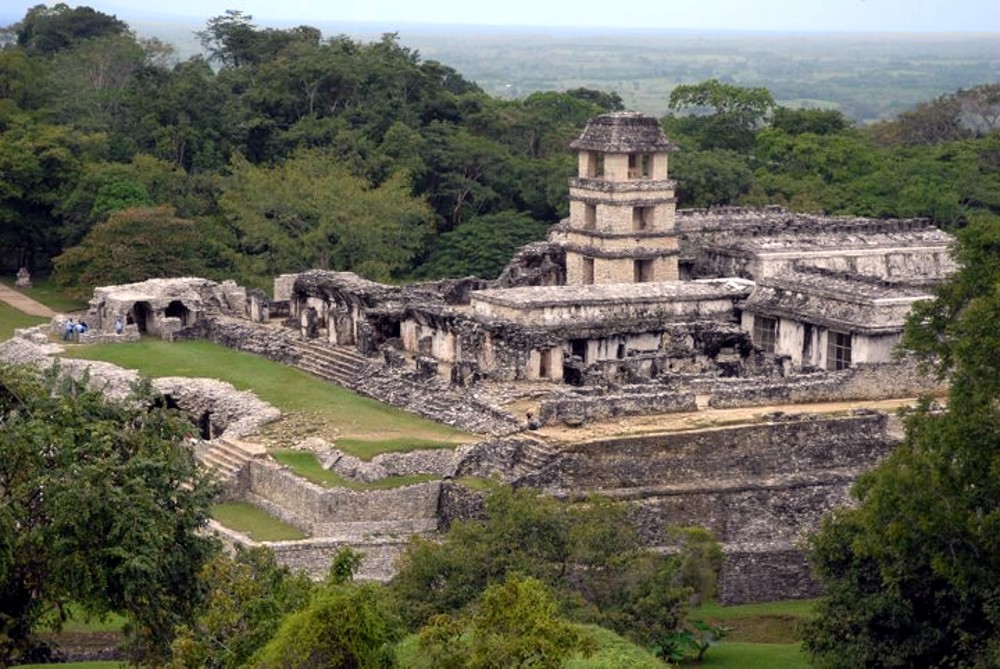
(765, 333)
(588, 271)
(643, 272)
(838, 351)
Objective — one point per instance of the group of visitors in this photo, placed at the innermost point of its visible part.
(76, 328)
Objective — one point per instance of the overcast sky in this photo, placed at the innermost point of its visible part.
(783, 15)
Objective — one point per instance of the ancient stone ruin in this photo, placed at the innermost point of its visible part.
(709, 367)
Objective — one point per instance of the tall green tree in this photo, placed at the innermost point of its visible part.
(142, 243)
(587, 554)
(911, 575)
(345, 626)
(100, 505)
(46, 30)
(730, 113)
(248, 597)
(311, 213)
(514, 624)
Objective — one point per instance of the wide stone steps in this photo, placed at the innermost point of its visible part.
(229, 456)
(338, 364)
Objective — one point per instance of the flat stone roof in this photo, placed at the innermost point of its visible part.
(773, 229)
(849, 287)
(535, 297)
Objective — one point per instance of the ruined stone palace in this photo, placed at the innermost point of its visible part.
(653, 345)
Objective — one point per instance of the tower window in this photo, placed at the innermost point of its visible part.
(588, 271)
(643, 272)
(642, 218)
(589, 217)
(640, 166)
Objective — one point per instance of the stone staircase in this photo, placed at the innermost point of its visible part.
(536, 455)
(338, 364)
(228, 456)
(431, 398)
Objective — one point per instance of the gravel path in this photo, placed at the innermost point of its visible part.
(22, 302)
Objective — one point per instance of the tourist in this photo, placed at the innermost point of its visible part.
(118, 325)
(70, 327)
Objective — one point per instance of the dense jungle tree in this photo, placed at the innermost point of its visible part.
(587, 554)
(735, 113)
(48, 30)
(344, 626)
(248, 597)
(141, 243)
(514, 623)
(311, 213)
(101, 507)
(482, 247)
(911, 576)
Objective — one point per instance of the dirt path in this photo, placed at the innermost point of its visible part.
(23, 303)
(706, 418)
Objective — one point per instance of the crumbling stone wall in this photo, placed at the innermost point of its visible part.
(243, 335)
(315, 509)
(900, 378)
(577, 410)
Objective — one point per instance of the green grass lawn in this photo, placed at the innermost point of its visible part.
(771, 622)
(368, 427)
(44, 290)
(11, 319)
(255, 523)
(308, 467)
(762, 636)
(729, 655)
(74, 665)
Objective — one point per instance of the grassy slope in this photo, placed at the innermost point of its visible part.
(255, 523)
(294, 392)
(12, 319)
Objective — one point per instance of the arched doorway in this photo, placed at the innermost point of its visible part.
(176, 309)
(142, 314)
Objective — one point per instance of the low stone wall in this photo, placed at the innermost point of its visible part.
(314, 556)
(753, 574)
(862, 382)
(576, 410)
(311, 507)
(272, 343)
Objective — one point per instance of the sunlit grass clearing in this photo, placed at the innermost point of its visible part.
(11, 319)
(255, 523)
(290, 390)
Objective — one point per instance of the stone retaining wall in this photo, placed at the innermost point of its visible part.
(861, 382)
(577, 410)
(311, 507)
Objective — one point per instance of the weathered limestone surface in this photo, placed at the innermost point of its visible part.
(217, 406)
(220, 408)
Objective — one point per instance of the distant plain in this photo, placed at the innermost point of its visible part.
(868, 76)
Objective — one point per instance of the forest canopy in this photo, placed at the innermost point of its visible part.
(288, 150)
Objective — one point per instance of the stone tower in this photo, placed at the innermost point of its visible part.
(621, 204)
